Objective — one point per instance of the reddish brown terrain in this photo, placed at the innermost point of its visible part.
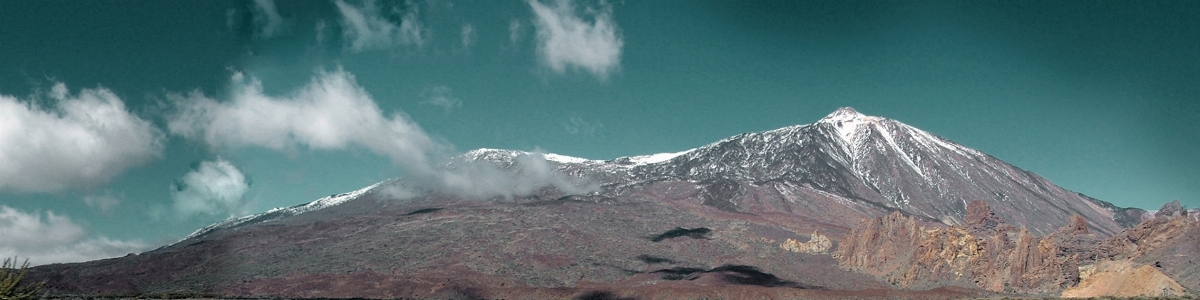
(986, 253)
(849, 206)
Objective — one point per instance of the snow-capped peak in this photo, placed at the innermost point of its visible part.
(842, 114)
(847, 122)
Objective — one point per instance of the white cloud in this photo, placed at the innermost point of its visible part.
(441, 96)
(212, 188)
(468, 35)
(55, 239)
(567, 40)
(84, 140)
(366, 27)
(104, 202)
(332, 112)
(267, 19)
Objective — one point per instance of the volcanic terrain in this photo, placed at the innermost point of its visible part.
(848, 206)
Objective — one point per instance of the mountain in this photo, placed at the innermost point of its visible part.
(760, 212)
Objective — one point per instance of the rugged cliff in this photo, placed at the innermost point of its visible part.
(985, 252)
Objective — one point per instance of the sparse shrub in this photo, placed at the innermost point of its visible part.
(10, 281)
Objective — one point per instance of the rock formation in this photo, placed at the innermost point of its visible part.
(985, 252)
(816, 244)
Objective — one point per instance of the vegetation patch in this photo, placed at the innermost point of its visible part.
(11, 285)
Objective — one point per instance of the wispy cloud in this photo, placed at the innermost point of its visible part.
(267, 20)
(332, 112)
(82, 140)
(55, 239)
(211, 188)
(468, 35)
(514, 31)
(367, 27)
(569, 40)
(441, 96)
(577, 125)
(104, 202)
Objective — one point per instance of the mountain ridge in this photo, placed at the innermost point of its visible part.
(771, 204)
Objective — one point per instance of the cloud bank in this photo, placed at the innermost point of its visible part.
(211, 188)
(568, 40)
(332, 113)
(367, 26)
(55, 239)
(81, 141)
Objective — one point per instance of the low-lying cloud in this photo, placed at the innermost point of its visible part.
(508, 176)
(568, 40)
(211, 188)
(55, 239)
(367, 26)
(78, 141)
(332, 112)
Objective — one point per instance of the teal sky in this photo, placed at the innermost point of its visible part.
(1100, 97)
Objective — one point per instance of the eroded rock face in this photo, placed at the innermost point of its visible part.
(986, 253)
(1155, 258)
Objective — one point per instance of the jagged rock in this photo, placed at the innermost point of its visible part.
(1077, 225)
(1171, 209)
(1170, 240)
(980, 219)
(1008, 259)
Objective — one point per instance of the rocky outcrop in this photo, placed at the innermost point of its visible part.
(1170, 242)
(816, 244)
(984, 253)
(1154, 258)
(1170, 222)
(1123, 278)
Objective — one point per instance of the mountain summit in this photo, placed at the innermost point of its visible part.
(759, 209)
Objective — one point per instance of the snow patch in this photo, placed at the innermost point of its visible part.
(656, 158)
(565, 159)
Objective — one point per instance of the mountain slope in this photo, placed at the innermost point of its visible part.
(753, 210)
